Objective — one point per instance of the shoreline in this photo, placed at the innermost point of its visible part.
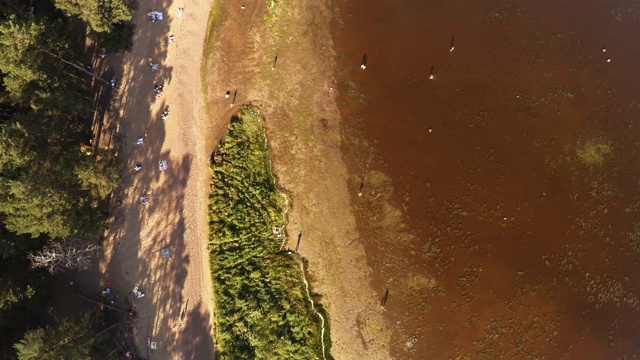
(475, 159)
(295, 95)
(305, 141)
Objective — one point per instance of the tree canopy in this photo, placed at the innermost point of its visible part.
(49, 188)
(33, 74)
(53, 195)
(70, 339)
(98, 14)
(21, 289)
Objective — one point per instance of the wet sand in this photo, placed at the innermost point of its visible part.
(494, 236)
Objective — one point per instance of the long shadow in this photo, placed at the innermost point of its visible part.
(134, 79)
(106, 66)
(160, 225)
(193, 326)
(138, 233)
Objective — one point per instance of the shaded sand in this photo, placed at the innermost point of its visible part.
(305, 137)
(177, 310)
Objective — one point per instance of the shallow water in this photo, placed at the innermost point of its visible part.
(500, 202)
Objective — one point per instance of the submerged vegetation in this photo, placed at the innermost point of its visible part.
(262, 308)
(593, 152)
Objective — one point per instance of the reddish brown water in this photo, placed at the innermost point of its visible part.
(516, 233)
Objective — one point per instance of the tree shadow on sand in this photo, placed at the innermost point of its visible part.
(138, 233)
(191, 330)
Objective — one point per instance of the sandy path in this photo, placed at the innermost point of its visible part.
(177, 310)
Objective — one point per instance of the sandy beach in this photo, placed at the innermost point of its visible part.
(176, 312)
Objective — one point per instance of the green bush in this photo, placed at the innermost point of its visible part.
(261, 307)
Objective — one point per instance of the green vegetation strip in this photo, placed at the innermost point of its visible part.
(213, 27)
(262, 308)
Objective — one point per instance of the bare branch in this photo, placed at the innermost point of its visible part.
(62, 255)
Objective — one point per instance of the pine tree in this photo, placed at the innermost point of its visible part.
(70, 339)
(34, 60)
(98, 14)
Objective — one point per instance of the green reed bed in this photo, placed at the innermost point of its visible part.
(262, 310)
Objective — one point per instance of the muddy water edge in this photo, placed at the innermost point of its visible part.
(499, 201)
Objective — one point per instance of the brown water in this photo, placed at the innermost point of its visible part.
(500, 203)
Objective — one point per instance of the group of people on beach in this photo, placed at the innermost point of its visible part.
(158, 88)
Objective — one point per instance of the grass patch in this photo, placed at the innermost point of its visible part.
(274, 17)
(593, 152)
(262, 309)
(273, 7)
(213, 27)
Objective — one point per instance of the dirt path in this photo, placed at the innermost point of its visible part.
(176, 312)
(303, 126)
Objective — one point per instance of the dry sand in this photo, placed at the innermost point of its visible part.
(176, 312)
